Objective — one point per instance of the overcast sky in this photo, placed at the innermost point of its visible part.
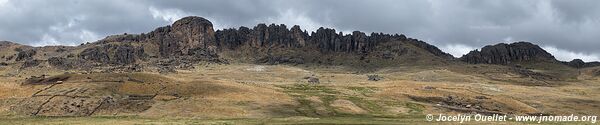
(566, 28)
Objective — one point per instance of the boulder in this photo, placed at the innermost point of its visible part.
(374, 77)
(313, 80)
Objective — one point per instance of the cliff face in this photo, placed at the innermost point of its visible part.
(508, 53)
(184, 35)
(324, 39)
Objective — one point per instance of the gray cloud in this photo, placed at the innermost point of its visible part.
(568, 28)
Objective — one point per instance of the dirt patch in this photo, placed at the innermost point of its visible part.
(257, 68)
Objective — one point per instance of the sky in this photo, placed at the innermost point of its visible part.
(567, 29)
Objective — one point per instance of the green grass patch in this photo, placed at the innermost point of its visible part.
(365, 91)
(199, 121)
(414, 107)
(368, 105)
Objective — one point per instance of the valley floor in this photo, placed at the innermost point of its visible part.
(272, 121)
(282, 94)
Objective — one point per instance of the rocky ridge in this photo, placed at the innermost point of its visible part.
(193, 39)
(507, 53)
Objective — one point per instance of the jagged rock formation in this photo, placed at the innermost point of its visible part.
(261, 36)
(508, 53)
(325, 39)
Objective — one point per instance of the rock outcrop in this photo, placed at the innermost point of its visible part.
(578, 63)
(30, 63)
(68, 63)
(189, 33)
(508, 53)
(113, 54)
(25, 54)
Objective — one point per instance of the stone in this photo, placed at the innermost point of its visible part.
(374, 77)
(313, 80)
(428, 87)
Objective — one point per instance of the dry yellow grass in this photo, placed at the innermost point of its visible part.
(280, 91)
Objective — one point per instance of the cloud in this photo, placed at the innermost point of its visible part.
(88, 36)
(565, 55)
(47, 40)
(3, 3)
(457, 50)
(454, 25)
(169, 15)
(291, 17)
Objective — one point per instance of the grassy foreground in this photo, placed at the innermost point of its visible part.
(134, 120)
(99, 120)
